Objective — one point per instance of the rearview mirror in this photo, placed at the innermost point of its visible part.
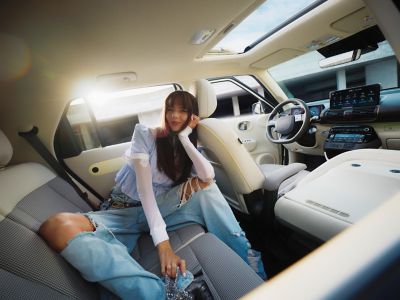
(340, 59)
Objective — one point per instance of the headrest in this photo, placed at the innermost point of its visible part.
(206, 97)
(6, 150)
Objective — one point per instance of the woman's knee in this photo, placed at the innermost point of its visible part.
(191, 186)
(204, 184)
(60, 228)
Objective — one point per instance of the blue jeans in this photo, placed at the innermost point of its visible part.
(103, 256)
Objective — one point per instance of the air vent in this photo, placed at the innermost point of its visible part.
(329, 209)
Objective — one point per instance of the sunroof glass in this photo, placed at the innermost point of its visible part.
(265, 20)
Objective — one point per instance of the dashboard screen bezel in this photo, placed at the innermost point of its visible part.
(362, 96)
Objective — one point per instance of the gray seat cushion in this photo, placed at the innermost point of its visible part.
(146, 254)
(53, 197)
(30, 269)
(25, 258)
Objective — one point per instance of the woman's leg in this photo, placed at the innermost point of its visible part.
(60, 228)
(100, 257)
(205, 204)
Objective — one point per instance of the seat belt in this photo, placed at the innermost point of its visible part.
(285, 156)
(33, 139)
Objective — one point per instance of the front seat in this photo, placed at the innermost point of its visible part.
(248, 187)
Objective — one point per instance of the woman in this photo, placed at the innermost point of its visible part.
(165, 184)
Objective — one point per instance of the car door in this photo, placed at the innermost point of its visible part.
(244, 104)
(94, 133)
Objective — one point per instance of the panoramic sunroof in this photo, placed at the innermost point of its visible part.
(265, 20)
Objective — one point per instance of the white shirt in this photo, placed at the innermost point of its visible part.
(140, 178)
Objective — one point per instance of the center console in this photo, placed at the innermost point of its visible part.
(346, 138)
(354, 105)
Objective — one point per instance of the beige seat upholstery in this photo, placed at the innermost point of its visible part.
(237, 174)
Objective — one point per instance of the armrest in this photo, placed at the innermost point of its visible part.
(276, 174)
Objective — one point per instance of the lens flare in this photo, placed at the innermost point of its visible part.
(15, 58)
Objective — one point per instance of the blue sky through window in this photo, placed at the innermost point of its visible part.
(263, 20)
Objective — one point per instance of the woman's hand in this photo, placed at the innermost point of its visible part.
(169, 261)
(194, 120)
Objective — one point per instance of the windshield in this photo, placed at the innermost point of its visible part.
(269, 17)
(303, 78)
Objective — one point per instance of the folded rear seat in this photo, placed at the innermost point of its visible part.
(29, 269)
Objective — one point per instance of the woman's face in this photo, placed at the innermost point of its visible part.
(176, 117)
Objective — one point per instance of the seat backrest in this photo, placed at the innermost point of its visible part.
(222, 146)
(29, 269)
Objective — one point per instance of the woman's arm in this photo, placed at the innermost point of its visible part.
(168, 260)
(204, 169)
(146, 194)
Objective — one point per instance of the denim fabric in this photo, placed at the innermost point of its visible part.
(103, 256)
(209, 208)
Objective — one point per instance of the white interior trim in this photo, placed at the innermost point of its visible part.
(335, 269)
(18, 181)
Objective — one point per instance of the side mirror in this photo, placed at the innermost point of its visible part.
(256, 108)
(340, 59)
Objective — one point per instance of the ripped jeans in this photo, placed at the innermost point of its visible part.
(117, 232)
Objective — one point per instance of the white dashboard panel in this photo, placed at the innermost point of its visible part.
(341, 192)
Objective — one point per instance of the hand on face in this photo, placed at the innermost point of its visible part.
(176, 117)
(194, 120)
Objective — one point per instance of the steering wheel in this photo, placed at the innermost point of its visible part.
(289, 128)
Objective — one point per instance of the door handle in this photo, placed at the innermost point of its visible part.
(244, 125)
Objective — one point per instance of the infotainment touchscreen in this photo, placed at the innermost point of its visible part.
(363, 96)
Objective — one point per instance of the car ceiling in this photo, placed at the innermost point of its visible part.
(83, 39)
(92, 37)
(56, 49)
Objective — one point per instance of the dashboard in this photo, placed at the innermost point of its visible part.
(362, 103)
(315, 110)
(354, 118)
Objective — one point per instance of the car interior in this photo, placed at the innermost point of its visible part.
(299, 104)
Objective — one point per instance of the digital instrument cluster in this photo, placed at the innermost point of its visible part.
(315, 110)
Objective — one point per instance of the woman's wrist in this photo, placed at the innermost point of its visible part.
(164, 245)
(185, 132)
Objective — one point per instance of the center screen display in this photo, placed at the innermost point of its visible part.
(348, 137)
(363, 96)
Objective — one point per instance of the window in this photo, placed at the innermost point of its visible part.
(237, 95)
(302, 77)
(271, 16)
(104, 119)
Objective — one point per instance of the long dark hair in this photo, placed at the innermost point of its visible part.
(171, 156)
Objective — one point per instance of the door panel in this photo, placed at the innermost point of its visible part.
(98, 167)
(253, 137)
(236, 98)
(95, 132)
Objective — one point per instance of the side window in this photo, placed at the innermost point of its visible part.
(236, 96)
(106, 119)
